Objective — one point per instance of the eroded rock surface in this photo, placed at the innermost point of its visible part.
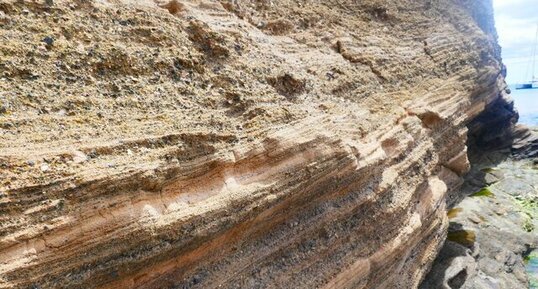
(253, 144)
(492, 231)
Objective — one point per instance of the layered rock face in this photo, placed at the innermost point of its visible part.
(241, 144)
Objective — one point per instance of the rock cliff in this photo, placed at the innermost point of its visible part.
(235, 144)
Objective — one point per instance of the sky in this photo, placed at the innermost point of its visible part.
(517, 23)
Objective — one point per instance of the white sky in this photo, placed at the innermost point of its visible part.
(516, 22)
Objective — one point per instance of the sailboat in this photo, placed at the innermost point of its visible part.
(533, 83)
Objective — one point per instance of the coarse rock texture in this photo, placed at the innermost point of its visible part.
(492, 231)
(251, 144)
(525, 142)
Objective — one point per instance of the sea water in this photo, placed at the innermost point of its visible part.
(531, 262)
(526, 103)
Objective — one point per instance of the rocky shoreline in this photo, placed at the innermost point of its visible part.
(492, 234)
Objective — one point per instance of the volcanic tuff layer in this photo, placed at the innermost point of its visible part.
(254, 144)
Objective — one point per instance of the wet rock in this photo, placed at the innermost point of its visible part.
(503, 233)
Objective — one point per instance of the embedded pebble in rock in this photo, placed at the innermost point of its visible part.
(48, 40)
(44, 167)
(79, 157)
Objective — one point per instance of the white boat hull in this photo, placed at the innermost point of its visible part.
(533, 85)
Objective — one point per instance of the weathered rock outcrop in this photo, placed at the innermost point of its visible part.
(491, 231)
(525, 142)
(253, 144)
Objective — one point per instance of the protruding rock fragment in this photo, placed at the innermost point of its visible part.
(278, 27)
(4, 19)
(430, 119)
(79, 157)
(174, 7)
(288, 85)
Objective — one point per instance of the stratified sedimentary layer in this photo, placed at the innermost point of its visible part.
(251, 144)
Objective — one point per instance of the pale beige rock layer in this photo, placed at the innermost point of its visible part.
(250, 144)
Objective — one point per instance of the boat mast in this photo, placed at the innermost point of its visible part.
(534, 55)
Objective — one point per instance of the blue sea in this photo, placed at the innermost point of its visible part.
(526, 102)
(532, 269)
